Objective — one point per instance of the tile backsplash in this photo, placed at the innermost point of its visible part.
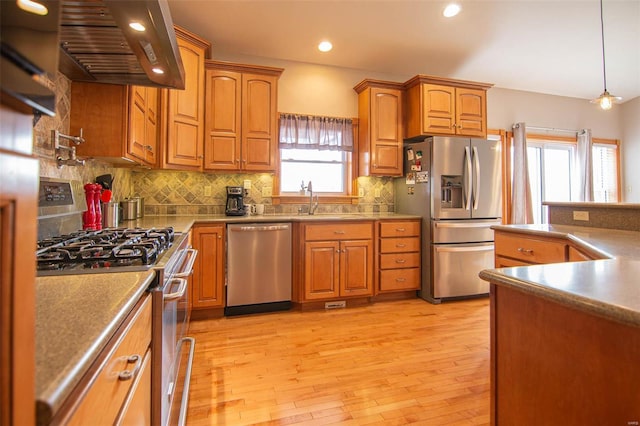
(192, 193)
(180, 192)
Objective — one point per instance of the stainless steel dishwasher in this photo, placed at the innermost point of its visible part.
(258, 268)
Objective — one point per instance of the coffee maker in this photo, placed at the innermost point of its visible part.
(235, 201)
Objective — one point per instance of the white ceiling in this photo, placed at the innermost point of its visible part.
(543, 46)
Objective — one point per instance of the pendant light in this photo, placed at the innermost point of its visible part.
(606, 99)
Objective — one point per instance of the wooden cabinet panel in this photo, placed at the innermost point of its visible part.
(471, 112)
(399, 256)
(183, 143)
(355, 265)
(322, 260)
(399, 245)
(338, 231)
(576, 255)
(529, 250)
(137, 408)
(107, 394)
(399, 229)
(380, 128)
(18, 235)
(208, 269)
(241, 118)
(505, 262)
(399, 279)
(441, 106)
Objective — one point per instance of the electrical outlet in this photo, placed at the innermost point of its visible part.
(267, 191)
(207, 191)
(579, 215)
(377, 193)
(360, 192)
(247, 184)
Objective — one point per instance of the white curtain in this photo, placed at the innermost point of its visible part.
(584, 166)
(314, 132)
(521, 207)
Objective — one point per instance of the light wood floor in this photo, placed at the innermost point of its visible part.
(393, 363)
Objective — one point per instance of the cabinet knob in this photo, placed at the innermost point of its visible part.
(400, 261)
(401, 280)
(338, 251)
(401, 245)
(200, 157)
(148, 147)
(338, 232)
(400, 229)
(525, 251)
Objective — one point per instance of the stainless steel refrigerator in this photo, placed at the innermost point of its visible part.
(454, 183)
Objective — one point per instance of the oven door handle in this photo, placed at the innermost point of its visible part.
(188, 270)
(178, 294)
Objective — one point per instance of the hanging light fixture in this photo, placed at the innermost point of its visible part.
(606, 99)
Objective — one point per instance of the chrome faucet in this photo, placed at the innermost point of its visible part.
(312, 206)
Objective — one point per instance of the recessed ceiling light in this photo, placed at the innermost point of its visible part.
(325, 46)
(157, 70)
(451, 10)
(32, 7)
(137, 26)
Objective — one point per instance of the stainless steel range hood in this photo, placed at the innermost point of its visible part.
(97, 43)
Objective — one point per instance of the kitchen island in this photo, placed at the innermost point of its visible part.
(565, 337)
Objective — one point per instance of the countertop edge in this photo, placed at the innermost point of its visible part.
(570, 300)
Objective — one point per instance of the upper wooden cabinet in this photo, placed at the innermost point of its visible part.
(380, 128)
(241, 117)
(120, 123)
(442, 106)
(183, 135)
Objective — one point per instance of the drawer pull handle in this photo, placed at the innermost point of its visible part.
(400, 261)
(400, 280)
(338, 232)
(401, 245)
(525, 251)
(130, 374)
(400, 229)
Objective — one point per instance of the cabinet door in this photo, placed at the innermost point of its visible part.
(208, 269)
(470, 112)
(386, 132)
(438, 109)
(322, 264)
(259, 121)
(186, 111)
(222, 120)
(356, 268)
(137, 122)
(151, 125)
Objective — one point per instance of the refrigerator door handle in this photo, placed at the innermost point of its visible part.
(467, 157)
(476, 187)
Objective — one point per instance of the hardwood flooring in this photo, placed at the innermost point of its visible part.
(392, 363)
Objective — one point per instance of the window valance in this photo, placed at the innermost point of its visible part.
(316, 132)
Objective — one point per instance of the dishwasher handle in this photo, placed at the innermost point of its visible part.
(254, 228)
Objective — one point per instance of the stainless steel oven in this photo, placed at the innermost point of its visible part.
(172, 350)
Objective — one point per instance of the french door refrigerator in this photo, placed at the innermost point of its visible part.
(454, 183)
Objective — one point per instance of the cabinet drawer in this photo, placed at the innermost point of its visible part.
(339, 231)
(107, 393)
(400, 279)
(530, 250)
(399, 245)
(399, 260)
(399, 229)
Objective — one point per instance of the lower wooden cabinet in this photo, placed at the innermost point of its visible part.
(523, 249)
(208, 270)
(121, 387)
(338, 260)
(398, 256)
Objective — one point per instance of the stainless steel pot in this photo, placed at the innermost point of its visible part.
(129, 209)
(109, 214)
(140, 206)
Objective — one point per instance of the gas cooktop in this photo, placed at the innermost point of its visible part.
(107, 250)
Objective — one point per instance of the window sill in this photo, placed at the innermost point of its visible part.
(322, 199)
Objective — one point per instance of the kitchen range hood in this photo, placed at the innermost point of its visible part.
(99, 44)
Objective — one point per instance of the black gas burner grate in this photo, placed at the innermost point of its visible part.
(108, 248)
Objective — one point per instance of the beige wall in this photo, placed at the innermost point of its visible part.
(630, 152)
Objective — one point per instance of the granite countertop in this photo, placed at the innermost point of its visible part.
(184, 223)
(608, 287)
(76, 315)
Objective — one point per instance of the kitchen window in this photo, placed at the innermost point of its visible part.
(316, 149)
(551, 172)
